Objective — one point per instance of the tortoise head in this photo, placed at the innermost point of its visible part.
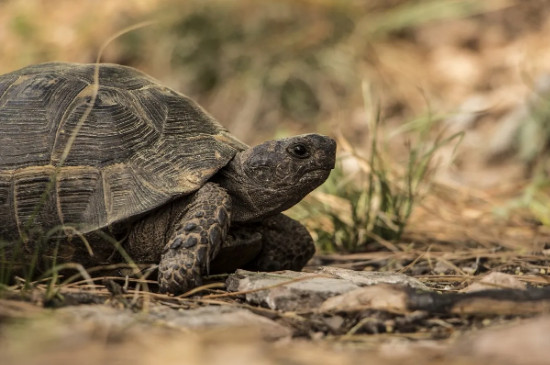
(271, 177)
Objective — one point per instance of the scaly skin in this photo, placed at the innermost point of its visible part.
(275, 243)
(286, 245)
(196, 238)
(248, 194)
(197, 227)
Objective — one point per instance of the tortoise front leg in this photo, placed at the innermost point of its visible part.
(286, 245)
(199, 228)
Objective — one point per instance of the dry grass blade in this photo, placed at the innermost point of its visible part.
(370, 199)
(201, 288)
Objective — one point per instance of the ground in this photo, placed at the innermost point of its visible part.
(475, 70)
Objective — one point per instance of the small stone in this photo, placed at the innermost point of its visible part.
(334, 322)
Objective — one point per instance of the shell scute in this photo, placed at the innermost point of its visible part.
(137, 147)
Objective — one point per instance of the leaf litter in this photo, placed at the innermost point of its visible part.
(458, 237)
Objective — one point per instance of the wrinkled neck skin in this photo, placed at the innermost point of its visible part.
(266, 179)
(251, 202)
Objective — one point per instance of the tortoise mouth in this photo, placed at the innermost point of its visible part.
(317, 175)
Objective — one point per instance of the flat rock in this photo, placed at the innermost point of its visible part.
(158, 316)
(287, 290)
(367, 278)
(298, 291)
(225, 316)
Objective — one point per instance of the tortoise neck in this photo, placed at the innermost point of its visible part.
(249, 202)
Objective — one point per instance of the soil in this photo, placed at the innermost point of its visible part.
(480, 73)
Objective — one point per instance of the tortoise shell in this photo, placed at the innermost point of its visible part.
(65, 162)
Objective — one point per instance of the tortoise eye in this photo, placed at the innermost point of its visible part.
(298, 150)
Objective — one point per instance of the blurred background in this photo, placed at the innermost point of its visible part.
(441, 113)
(464, 83)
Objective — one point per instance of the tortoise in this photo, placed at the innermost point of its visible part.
(128, 157)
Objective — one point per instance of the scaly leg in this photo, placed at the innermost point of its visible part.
(286, 245)
(195, 238)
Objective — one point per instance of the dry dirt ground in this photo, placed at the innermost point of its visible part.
(480, 73)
